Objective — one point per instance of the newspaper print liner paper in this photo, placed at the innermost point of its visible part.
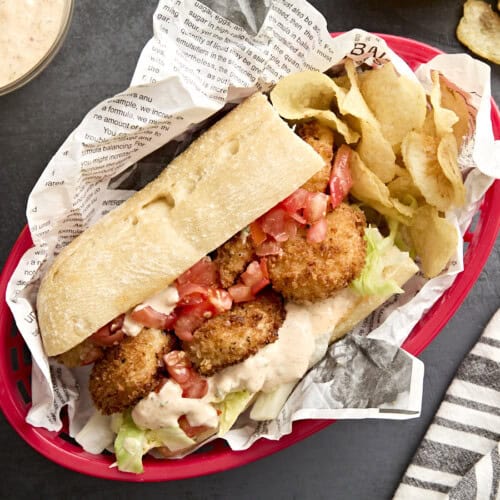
(198, 61)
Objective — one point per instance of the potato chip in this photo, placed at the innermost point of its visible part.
(403, 186)
(376, 152)
(447, 154)
(454, 100)
(434, 239)
(353, 103)
(399, 104)
(311, 94)
(368, 188)
(479, 29)
(433, 167)
(444, 119)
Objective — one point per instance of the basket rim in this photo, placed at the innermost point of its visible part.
(221, 458)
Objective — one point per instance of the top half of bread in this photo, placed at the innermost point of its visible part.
(236, 171)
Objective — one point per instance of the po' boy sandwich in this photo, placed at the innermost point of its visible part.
(218, 285)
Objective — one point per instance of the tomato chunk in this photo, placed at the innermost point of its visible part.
(317, 204)
(340, 179)
(204, 272)
(190, 430)
(241, 293)
(149, 317)
(109, 334)
(317, 232)
(257, 234)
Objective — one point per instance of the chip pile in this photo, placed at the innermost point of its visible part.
(405, 147)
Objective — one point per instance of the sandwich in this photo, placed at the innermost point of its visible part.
(215, 288)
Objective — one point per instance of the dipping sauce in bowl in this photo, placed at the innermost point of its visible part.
(31, 33)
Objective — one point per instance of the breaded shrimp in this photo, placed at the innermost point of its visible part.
(320, 138)
(306, 272)
(233, 257)
(129, 371)
(235, 335)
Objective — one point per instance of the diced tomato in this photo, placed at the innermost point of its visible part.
(190, 430)
(273, 223)
(263, 267)
(147, 316)
(178, 366)
(257, 287)
(257, 234)
(241, 293)
(298, 218)
(317, 232)
(296, 201)
(252, 274)
(180, 369)
(188, 288)
(192, 317)
(204, 272)
(340, 179)
(109, 334)
(254, 277)
(195, 387)
(268, 248)
(220, 299)
(317, 204)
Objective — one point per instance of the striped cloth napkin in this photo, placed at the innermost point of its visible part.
(459, 457)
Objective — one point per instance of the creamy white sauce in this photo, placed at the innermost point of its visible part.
(163, 409)
(164, 302)
(28, 29)
(303, 340)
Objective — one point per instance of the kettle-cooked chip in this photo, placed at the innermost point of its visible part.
(479, 29)
(454, 100)
(398, 103)
(434, 169)
(434, 239)
(310, 94)
(403, 186)
(444, 118)
(368, 188)
(447, 154)
(376, 152)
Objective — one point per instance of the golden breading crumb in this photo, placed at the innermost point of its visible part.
(233, 257)
(320, 138)
(235, 335)
(306, 272)
(129, 371)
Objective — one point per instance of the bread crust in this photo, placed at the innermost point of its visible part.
(236, 171)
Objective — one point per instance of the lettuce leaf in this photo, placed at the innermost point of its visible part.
(132, 443)
(371, 281)
(231, 408)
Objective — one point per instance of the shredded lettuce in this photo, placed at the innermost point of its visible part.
(231, 408)
(371, 281)
(268, 405)
(132, 443)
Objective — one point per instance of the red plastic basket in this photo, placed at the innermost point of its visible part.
(15, 361)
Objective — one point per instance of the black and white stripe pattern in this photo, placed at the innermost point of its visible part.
(459, 457)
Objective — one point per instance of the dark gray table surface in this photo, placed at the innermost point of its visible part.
(348, 460)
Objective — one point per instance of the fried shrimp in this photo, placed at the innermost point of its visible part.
(320, 138)
(306, 272)
(129, 371)
(232, 337)
(233, 257)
